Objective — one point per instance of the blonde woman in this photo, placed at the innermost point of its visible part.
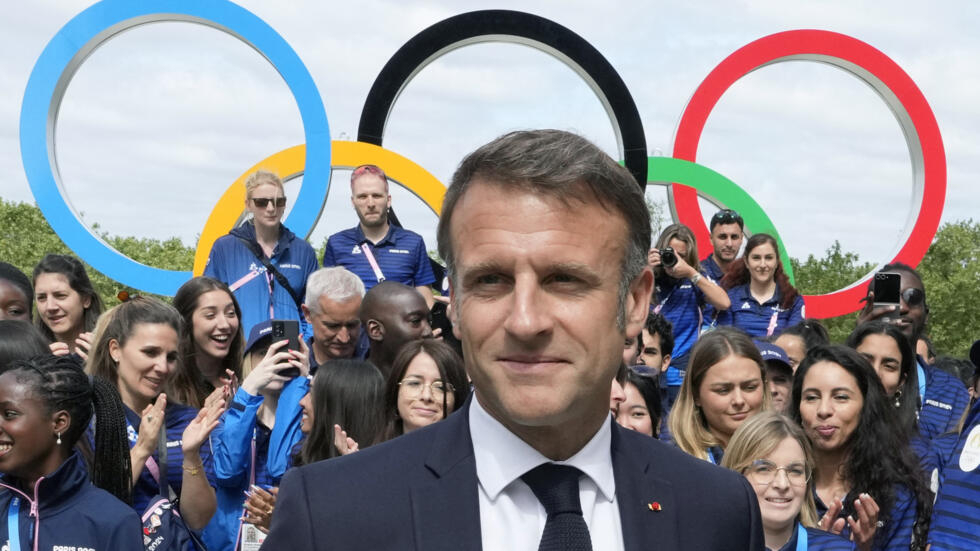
(725, 385)
(775, 456)
(262, 262)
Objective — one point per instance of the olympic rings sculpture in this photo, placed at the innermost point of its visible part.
(61, 59)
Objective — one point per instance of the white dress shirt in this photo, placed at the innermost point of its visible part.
(511, 517)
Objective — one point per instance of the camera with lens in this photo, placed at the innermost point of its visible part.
(668, 257)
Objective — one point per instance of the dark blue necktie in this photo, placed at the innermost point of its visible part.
(556, 487)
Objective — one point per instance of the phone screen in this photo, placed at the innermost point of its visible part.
(287, 329)
(888, 288)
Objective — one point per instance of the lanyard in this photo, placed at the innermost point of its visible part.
(13, 524)
(366, 248)
(922, 382)
(251, 482)
(772, 323)
(801, 538)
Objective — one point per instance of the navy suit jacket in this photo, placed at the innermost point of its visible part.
(420, 492)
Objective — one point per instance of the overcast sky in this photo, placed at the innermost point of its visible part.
(159, 120)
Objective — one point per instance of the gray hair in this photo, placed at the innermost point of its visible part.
(336, 283)
(566, 167)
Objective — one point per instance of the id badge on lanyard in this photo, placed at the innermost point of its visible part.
(13, 524)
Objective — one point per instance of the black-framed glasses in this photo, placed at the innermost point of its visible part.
(764, 472)
(263, 202)
(913, 296)
(438, 388)
(726, 216)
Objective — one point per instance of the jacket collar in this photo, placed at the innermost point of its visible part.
(54, 491)
(446, 505)
(247, 231)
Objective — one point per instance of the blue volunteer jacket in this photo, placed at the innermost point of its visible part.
(748, 315)
(67, 511)
(681, 303)
(231, 444)
(943, 404)
(230, 261)
(955, 522)
(287, 434)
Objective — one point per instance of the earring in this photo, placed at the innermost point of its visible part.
(59, 438)
(898, 398)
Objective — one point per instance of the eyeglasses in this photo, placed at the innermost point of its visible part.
(263, 202)
(726, 216)
(913, 296)
(367, 169)
(764, 472)
(414, 387)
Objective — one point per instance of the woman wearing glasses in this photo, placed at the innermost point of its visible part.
(264, 263)
(762, 298)
(774, 455)
(869, 485)
(426, 384)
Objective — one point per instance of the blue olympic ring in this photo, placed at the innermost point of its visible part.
(88, 30)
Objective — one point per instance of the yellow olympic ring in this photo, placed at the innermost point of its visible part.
(290, 162)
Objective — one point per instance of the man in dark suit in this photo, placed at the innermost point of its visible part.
(545, 238)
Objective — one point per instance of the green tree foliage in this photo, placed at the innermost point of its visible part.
(833, 271)
(951, 273)
(25, 237)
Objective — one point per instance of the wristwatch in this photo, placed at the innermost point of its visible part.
(694, 279)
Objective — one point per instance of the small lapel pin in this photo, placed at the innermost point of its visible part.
(654, 506)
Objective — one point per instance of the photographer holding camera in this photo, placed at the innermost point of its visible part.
(681, 294)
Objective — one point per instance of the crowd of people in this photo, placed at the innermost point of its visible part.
(154, 425)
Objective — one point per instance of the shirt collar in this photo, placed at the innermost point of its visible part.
(389, 237)
(496, 471)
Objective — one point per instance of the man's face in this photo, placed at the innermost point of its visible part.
(912, 317)
(780, 381)
(727, 240)
(652, 354)
(369, 195)
(537, 297)
(336, 327)
(405, 318)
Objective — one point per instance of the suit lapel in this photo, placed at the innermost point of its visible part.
(446, 504)
(648, 507)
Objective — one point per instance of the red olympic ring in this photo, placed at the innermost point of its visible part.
(887, 78)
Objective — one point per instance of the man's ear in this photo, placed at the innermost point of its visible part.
(638, 302)
(452, 312)
(306, 311)
(665, 363)
(375, 330)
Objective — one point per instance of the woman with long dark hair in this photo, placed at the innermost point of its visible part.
(426, 384)
(891, 356)
(212, 342)
(868, 481)
(763, 301)
(67, 304)
(345, 394)
(137, 351)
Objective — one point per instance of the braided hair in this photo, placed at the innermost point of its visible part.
(61, 384)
